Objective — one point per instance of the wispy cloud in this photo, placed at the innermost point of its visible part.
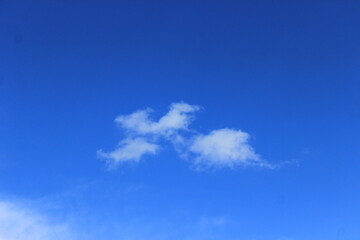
(213, 221)
(178, 117)
(21, 223)
(129, 150)
(220, 148)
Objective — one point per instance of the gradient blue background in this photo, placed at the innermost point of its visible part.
(287, 72)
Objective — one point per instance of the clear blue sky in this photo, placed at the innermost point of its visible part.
(285, 72)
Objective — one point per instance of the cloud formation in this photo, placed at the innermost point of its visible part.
(19, 223)
(224, 148)
(220, 148)
(129, 150)
(178, 118)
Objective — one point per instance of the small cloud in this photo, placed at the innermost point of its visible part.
(129, 150)
(178, 118)
(224, 148)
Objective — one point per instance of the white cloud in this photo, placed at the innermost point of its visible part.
(178, 118)
(129, 150)
(19, 223)
(139, 126)
(220, 148)
(224, 148)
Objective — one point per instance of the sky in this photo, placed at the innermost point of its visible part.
(181, 120)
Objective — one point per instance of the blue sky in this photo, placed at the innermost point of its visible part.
(274, 83)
